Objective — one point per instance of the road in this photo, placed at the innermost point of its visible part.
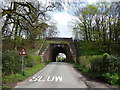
(54, 75)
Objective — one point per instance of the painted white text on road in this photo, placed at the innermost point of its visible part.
(49, 79)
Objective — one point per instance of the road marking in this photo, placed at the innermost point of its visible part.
(41, 78)
(48, 79)
(59, 78)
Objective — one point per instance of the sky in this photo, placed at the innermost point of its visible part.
(63, 19)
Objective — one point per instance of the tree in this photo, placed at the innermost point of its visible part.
(100, 23)
(25, 20)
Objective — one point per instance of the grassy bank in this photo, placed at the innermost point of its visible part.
(96, 61)
(103, 68)
(19, 77)
(90, 48)
(11, 61)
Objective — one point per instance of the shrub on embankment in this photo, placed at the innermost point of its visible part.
(11, 67)
(105, 67)
(11, 62)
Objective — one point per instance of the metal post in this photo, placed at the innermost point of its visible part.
(23, 65)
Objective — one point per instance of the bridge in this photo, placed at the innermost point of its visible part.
(60, 45)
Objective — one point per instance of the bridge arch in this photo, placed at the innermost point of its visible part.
(56, 51)
(55, 47)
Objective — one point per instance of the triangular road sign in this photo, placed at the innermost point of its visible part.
(22, 52)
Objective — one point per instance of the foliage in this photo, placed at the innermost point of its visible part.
(20, 77)
(105, 55)
(12, 62)
(99, 23)
(89, 48)
(28, 18)
(37, 59)
(112, 78)
(101, 63)
(8, 44)
(29, 61)
(5, 87)
(82, 68)
(104, 67)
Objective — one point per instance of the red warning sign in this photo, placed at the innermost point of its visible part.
(22, 52)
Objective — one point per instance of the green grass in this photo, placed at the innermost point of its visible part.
(81, 68)
(110, 78)
(90, 48)
(60, 42)
(19, 77)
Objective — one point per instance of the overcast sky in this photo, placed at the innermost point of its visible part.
(63, 19)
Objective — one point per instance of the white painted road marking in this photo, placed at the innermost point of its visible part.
(49, 79)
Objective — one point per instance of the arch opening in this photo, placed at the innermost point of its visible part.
(61, 57)
(58, 51)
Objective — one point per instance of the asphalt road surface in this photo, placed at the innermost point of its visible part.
(54, 75)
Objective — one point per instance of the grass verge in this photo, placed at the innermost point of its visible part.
(110, 78)
(15, 78)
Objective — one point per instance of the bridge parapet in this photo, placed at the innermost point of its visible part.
(58, 39)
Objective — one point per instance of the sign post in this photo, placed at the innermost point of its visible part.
(23, 65)
(23, 52)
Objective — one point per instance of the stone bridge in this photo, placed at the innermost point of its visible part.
(60, 45)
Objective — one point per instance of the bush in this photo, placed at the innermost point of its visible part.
(89, 48)
(91, 62)
(97, 63)
(37, 59)
(105, 67)
(112, 78)
(82, 68)
(31, 60)
(101, 63)
(11, 62)
(113, 64)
